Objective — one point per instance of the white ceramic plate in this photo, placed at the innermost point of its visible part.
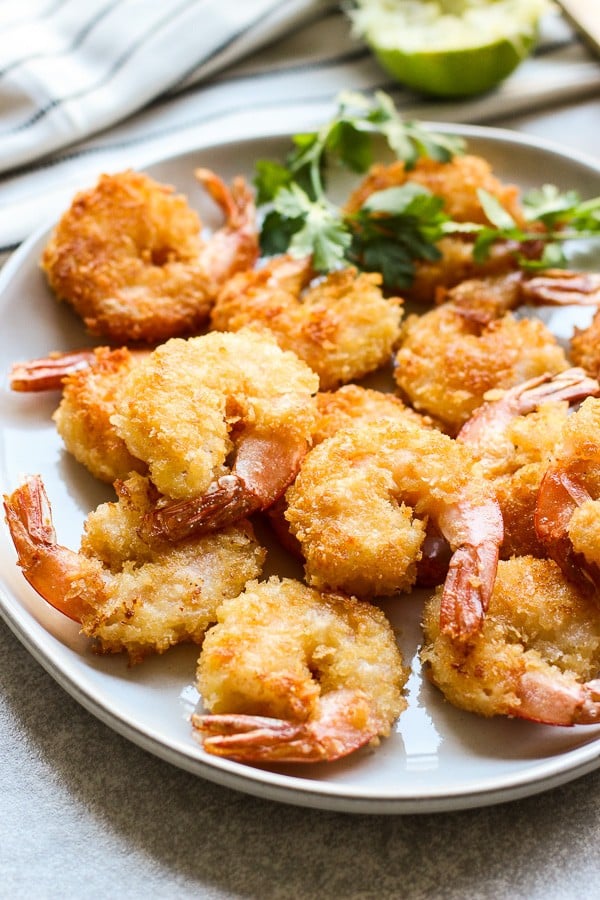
(438, 758)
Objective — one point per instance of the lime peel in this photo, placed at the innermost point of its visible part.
(449, 47)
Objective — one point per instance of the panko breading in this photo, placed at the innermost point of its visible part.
(449, 358)
(352, 404)
(585, 347)
(360, 504)
(325, 667)
(128, 256)
(126, 595)
(456, 181)
(342, 325)
(84, 413)
(185, 406)
(516, 466)
(513, 436)
(568, 504)
(537, 650)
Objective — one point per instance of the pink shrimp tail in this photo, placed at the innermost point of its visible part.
(264, 468)
(468, 588)
(48, 567)
(226, 501)
(558, 497)
(233, 247)
(344, 724)
(472, 568)
(571, 386)
(551, 701)
(558, 287)
(48, 373)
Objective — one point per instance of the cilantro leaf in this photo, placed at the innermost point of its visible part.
(400, 225)
(308, 227)
(323, 235)
(301, 218)
(277, 232)
(564, 217)
(548, 205)
(394, 228)
(270, 176)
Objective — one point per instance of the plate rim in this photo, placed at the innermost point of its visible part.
(266, 783)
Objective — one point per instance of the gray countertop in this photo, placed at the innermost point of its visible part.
(86, 814)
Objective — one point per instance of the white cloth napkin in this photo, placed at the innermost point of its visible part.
(100, 85)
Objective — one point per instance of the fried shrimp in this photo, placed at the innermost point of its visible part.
(451, 356)
(349, 405)
(496, 294)
(567, 516)
(342, 325)
(360, 505)
(292, 675)
(128, 256)
(193, 405)
(91, 381)
(126, 595)
(513, 436)
(457, 182)
(585, 347)
(352, 404)
(536, 656)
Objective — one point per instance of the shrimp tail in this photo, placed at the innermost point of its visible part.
(558, 497)
(234, 246)
(558, 287)
(344, 724)
(48, 373)
(468, 588)
(263, 469)
(571, 386)
(472, 569)
(49, 568)
(226, 501)
(552, 701)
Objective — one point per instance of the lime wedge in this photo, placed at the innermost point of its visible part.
(449, 48)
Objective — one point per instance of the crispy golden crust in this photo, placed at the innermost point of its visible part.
(155, 597)
(124, 256)
(515, 462)
(342, 326)
(361, 500)
(448, 361)
(83, 416)
(280, 645)
(578, 457)
(177, 408)
(585, 347)
(456, 181)
(352, 403)
(129, 258)
(536, 623)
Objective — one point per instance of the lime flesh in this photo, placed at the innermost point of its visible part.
(449, 49)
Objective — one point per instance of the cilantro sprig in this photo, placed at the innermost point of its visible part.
(302, 218)
(400, 225)
(395, 227)
(565, 217)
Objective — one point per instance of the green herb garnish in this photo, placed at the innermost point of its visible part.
(304, 220)
(395, 227)
(565, 217)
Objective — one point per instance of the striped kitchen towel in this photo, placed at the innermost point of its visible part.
(100, 85)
